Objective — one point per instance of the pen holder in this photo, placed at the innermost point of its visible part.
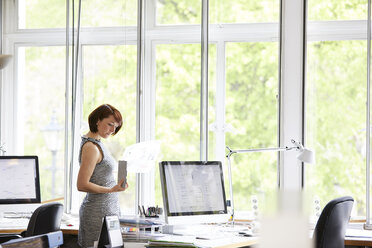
(150, 212)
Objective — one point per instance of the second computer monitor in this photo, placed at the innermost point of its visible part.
(19, 180)
(193, 192)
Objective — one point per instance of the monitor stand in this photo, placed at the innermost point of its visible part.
(167, 229)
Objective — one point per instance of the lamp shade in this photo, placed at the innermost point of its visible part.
(4, 60)
(306, 156)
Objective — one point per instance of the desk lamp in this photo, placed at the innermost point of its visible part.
(305, 155)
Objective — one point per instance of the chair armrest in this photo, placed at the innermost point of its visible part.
(4, 237)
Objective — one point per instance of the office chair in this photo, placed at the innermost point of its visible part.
(331, 226)
(45, 219)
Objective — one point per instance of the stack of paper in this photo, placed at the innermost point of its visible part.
(164, 243)
(138, 229)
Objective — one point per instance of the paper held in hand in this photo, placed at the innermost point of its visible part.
(122, 172)
(141, 156)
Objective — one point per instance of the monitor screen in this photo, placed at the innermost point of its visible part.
(19, 179)
(193, 192)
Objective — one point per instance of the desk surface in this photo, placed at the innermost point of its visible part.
(18, 225)
(8, 226)
(353, 241)
(64, 229)
(355, 235)
(221, 242)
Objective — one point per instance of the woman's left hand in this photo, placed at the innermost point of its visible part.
(118, 187)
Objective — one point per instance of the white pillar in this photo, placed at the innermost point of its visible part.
(292, 49)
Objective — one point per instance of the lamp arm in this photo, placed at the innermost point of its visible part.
(297, 146)
(231, 152)
(270, 149)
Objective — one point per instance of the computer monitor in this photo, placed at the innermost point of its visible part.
(19, 181)
(193, 192)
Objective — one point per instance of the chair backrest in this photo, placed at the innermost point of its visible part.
(45, 219)
(331, 226)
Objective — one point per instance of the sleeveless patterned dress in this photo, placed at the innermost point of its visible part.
(95, 206)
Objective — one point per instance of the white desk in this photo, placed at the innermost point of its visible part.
(206, 236)
(18, 225)
(70, 226)
(355, 235)
(223, 242)
(229, 242)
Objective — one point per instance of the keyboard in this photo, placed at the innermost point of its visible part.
(10, 223)
(211, 232)
(17, 215)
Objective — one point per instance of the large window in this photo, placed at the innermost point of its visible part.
(251, 113)
(336, 110)
(107, 72)
(40, 122)
(245, 93)
(242, 71)
(110, 77)
(177, 104)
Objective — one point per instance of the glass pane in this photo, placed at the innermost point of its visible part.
(178, 12)
(110, 77)
(98, 13)
(336, 97)
(41, 14)
(189, 12)
(320, 10)
(94, 13)
(212, 101)
(251, 113)
(243, 11)
(42, 100)
(177, 104)
(178, 101)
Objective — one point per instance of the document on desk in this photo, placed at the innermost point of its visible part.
(170, 243)
(229, 241)
(13, 223)
(358, 233)
(192, 241)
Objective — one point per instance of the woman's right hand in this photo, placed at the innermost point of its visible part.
(118, 187)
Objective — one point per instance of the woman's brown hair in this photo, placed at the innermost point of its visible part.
(102, 112)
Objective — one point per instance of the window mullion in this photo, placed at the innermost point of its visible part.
(292, 47)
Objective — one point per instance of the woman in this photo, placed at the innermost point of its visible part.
(95, 175)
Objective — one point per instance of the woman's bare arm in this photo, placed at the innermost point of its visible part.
(90, 156)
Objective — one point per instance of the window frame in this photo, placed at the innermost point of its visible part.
(220, 34)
